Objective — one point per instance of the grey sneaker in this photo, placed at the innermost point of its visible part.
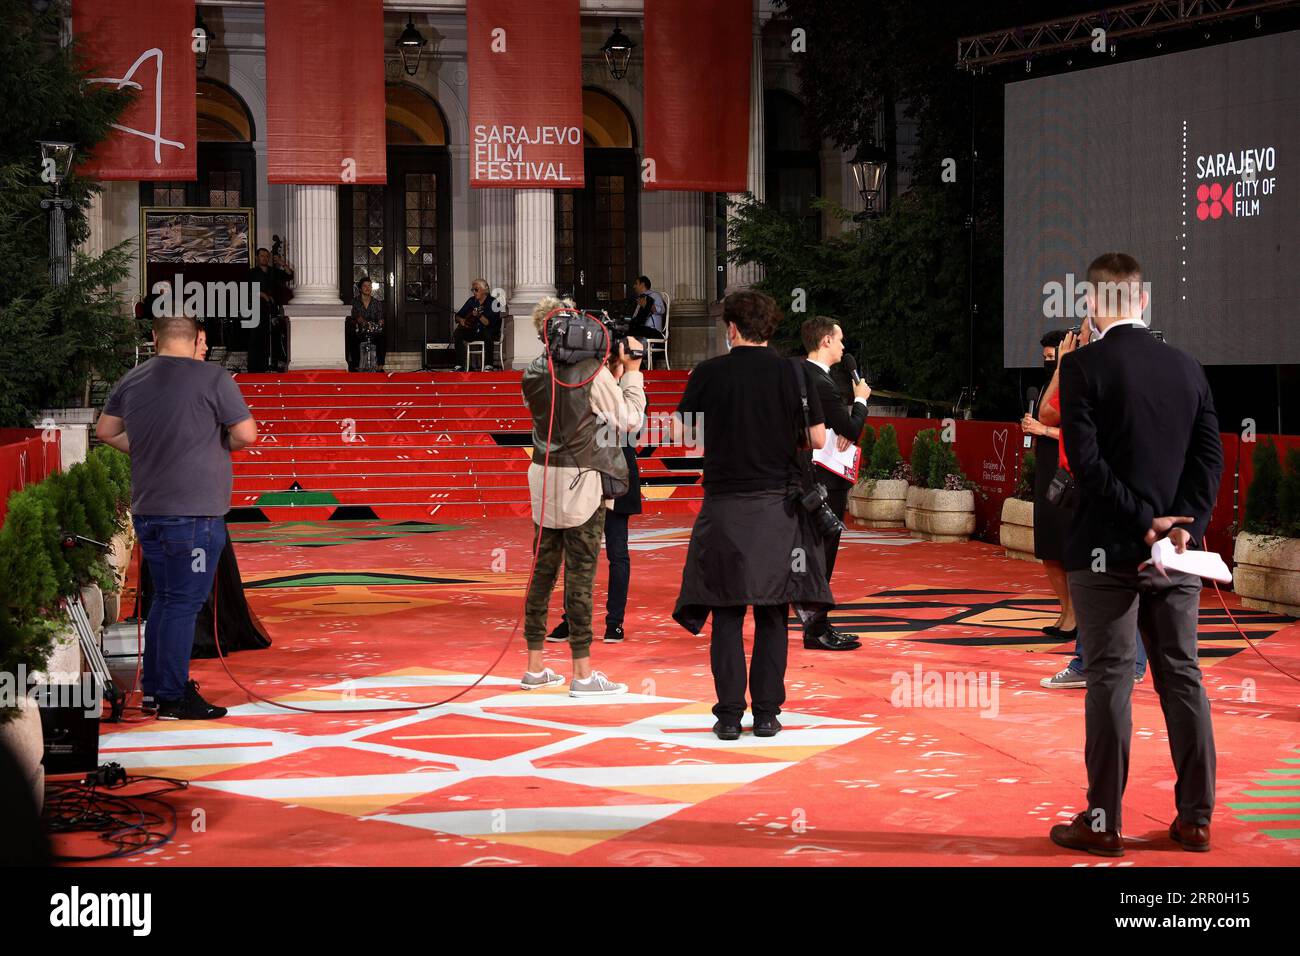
(1067, 679)
(547, 678)
(597, 685)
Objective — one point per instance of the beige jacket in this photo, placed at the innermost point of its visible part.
(573, 495)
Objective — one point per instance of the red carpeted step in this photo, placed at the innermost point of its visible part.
(415, 444)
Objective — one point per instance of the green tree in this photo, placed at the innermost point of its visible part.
(923, 450)
(885, 456)
(1262, 506)
(1289, 496)
(54, 338)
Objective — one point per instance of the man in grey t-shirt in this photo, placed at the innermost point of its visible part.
(178, 419)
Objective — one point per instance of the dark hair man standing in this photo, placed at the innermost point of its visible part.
(178, 419)
(748, 545)
(823, 340)
(1139, 424)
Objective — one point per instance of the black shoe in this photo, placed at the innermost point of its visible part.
(831, 640)
(766, 726)
(614, 634)
(190, 707)
(561, 632)
(726, 731)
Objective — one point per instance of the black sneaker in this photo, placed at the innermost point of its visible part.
(614, 634)
(726, 730)
(191, 707)
(148, 705)
(561, 632)
(766, 726)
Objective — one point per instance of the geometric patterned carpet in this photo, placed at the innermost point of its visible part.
(931, 745)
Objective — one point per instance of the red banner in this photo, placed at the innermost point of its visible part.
(697, 63)
(325, 108)
(144, 46)
(525, 94)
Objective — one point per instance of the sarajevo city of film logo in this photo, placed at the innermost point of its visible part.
(1237, 184)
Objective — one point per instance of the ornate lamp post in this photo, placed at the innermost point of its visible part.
(410, 45)
(203, 40)
(869, 165)
(618, 52)
(56, 163)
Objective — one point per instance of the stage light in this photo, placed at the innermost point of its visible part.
(410, 45)
(618, 52)
(202, 33)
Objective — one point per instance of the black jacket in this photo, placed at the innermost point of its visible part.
(1142, 438)
(845, 421)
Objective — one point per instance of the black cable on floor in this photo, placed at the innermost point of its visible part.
(130, 823)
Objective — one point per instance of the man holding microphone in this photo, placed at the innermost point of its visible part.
(823, 340)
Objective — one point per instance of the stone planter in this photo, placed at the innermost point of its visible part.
(941, 515)
(879, 503)
(911, 501)
(21, 734)
(1017, 530)
(93, 600)
(1267, 575)
(64, 663)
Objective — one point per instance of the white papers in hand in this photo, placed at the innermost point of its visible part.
(843, 463)
(1203, 564)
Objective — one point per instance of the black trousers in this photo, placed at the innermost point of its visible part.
(1165, 611)
(838, 500)
(461, 338)
(767, 669)
(620, 566)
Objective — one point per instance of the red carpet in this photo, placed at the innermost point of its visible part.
(377, 613)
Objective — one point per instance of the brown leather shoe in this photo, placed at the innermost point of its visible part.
(1190, 837)
(1079, 835)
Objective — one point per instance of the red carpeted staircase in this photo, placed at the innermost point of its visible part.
(416, 446)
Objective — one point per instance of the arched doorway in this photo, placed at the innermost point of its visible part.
(597, 240)
(399, 234)
(227, 167)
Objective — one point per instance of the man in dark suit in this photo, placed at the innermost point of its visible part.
(823, 340)
(1140, 429)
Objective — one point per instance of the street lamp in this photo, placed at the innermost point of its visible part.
(410, 45)
(869, 165)
(56, 164)
(618, 52)
(203, 40)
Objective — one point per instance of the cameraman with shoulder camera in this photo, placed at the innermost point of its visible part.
(574, 477)
(750, 544)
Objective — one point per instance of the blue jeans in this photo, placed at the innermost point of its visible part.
(182, 555)
(1139, 671)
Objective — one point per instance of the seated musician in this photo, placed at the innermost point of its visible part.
(365, 322)
(478, 320)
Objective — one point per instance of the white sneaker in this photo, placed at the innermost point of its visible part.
(1067, 679)
(597, 685)
(547, 678)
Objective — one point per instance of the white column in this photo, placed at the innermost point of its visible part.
(743, 276)
(94, 244)
(316, 313)
(496, 238)
(534, 272)
(686, 243)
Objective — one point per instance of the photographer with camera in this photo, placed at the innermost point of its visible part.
(754, 541)
(575, 476)
(823, 340)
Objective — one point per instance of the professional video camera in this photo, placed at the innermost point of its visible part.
(574, 336)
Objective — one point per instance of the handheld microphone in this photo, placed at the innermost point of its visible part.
(1032, 394)
(851, 366)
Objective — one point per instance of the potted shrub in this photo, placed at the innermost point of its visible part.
(1016, 531)
(918, 477)
(37, 572)
(1267, 551)
(879, 498)
(944, 508)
